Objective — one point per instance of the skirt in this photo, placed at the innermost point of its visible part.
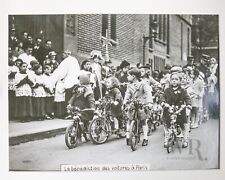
(49, 105)
(60, 109)
(23, 107)
(11, 96)
(38, 107)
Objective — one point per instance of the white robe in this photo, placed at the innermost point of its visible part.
(68, 71)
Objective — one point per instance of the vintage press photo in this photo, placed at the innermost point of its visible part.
(113, 92)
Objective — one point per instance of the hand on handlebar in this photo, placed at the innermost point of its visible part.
(149, 105)
(115, 103)
(69, 108)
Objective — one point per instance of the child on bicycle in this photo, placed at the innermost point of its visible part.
(140, 91)
(83, 98)
(177, 96)
(114, 94)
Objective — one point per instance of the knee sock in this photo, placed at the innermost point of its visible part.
(145, 131)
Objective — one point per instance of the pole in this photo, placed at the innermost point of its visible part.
(143, 50)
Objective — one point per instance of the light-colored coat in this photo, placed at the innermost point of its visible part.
(198, 88)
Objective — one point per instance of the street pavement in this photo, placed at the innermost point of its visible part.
(48, 154)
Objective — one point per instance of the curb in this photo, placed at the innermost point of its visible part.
(16, 140)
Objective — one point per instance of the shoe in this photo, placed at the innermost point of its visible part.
(166, 144)
(194, 126)
(128, 141)
(47, 117)
(185, 144)
(180, 135)
(145, 142)
(68, 117)
(117, 131)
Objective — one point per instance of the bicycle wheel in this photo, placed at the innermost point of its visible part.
(99, 131)
(123, 129)
(169, 149)
(170, 143)
(134, 136)
(72, 136)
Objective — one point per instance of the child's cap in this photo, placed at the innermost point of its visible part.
(52, 53)
(84, 78)
(33, 63)
(176, 69)
(19, 60)
(135, 71)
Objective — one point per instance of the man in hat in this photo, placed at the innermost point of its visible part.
(24, 39)
(44, 51)
(122, 76)
(37, 49)
(204, 62)
(190, 62)
(204, 68)
(13, 39)
(96, 57)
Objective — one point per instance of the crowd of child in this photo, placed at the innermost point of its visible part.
(32, 65)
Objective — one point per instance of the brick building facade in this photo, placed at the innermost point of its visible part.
(81, 33)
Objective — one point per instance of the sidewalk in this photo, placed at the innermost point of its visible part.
(24, 132)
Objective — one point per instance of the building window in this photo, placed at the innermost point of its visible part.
(70, 24)
(104, 24)
(188, 41)
(164, 28)
(109, 25)
(181, 41)
(159, 63)
(113, 27)
(161, 34)
(168, 34)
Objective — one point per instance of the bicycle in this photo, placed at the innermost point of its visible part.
(77, 129)
(135, 130)
(174, 131)
(102, 125)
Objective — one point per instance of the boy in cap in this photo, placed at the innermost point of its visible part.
(140, 91)
(83, 98)
(177, 96)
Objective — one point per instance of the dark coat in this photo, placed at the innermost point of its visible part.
(115, 95)
(122, 79)
(177, 98)
(84, 101)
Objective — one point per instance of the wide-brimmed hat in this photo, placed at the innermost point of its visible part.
(96, 53)
(124, 63)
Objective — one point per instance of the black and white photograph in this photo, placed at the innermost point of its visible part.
(101, 92)
(95, 89)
